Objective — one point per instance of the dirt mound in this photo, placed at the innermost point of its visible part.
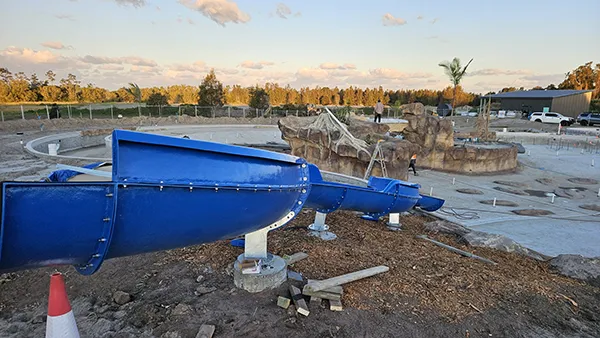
(532, 212)
(435, 277)
(582, 180)
(512, 184)
(537, 193)
(503, 203)
(511, 191)
(545, 181)
(470, 191)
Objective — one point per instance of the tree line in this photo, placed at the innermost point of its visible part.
(19, 87)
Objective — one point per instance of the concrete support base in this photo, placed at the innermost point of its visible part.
(319, 228)
(273, 273)
(394, 222)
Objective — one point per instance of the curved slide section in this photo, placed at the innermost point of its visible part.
(165, 193)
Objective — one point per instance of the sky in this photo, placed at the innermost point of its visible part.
(396, 44)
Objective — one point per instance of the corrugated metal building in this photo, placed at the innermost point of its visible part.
(567, 102)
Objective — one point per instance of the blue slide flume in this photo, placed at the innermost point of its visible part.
(166, 193)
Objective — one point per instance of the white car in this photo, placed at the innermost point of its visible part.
(551, 118)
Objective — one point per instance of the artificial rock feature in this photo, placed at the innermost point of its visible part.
(347, 149)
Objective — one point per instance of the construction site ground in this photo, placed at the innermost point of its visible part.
(428, 291)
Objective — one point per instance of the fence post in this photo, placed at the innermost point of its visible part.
(2, 112)
(111, 112)
(22, 113)
(196, 110)
(214, 112)
(296, 112)
(244, 112)
(69, 110)
(286, 113)
(229, 111)
(179, 110)
(90, 112)
(257, 112)
(48, 112)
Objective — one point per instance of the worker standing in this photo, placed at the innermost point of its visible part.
(378, 111)
(413, 161)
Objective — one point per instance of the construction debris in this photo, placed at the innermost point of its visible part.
(206, 331)
(335, 305)
(298, 256)
(458, 251)
(295, 276)
(334, 293)
(343, 279)
(250, 266)
(315, 303)
(283, 302)
(299, 301)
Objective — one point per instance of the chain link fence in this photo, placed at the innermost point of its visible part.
(113, 111)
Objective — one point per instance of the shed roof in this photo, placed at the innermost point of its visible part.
(537, 94)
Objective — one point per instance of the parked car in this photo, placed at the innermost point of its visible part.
(551, 117)
(588, 119)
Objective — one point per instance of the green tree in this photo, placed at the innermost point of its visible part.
(134, 90)
(157, 99)
(50, 77)
(455, 72)
(259, 99)
(584, 77)
(51, 93)
(70, 86)
(211, 91)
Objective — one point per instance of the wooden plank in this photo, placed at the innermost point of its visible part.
(347, 278)
(206, 331)
(315, 303)
(299, 301)
(322, 294)
(283, 302)
(334, 289)
(335, 305)
(298, 256)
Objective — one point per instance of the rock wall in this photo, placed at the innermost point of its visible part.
(322, 141)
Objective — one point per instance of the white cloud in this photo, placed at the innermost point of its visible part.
(283, 10)
(496, 72)
(389, 20)
(26, 55)
(131, 60)
(298, 14)
(420, 17)
(134, 3)
(545, 78)
(255, 65)
(219, 11)
(330, 65)
(190, 21)
(197, 66)
(389, 73)
(434, 20)
(55, 45)
(64, 17)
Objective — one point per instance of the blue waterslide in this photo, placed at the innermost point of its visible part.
(166, 193)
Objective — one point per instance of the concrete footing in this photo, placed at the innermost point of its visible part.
(273, 273)
(394, 222)
(319, 228)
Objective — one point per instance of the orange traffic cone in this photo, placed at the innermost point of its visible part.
(61, 321)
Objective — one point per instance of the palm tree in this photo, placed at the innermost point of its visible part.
(455, 72)
(135, 91)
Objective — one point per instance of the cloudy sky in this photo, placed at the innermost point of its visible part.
(393, 43)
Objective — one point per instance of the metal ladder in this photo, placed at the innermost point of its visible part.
(377, 156)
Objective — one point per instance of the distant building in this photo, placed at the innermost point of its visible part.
(567, 102)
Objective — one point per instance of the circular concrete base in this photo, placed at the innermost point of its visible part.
(272, 274)
(324, 235)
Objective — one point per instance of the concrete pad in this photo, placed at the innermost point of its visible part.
(571, 230)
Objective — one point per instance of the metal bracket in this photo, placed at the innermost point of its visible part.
(255, 243)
